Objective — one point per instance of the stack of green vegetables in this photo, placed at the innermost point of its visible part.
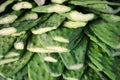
(59, 39)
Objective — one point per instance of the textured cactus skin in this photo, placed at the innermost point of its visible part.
(59, 33)
(53, 22)
(6, 42)
(36, 69)
(94, 38)
(75, 74)
(66, 40)
(55, 69)
(21, 75)
(51, 8)
(76, 56)
(103, 62)
(112, 33)
(11, 69)
(44, 41)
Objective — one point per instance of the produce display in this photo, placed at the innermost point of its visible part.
(59, 39)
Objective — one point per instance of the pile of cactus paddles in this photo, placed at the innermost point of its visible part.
(59, 39)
